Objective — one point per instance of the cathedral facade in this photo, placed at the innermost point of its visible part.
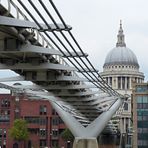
(120, 70)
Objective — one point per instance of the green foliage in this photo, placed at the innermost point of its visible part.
(67, 135)
(114, 122)
(19, 131)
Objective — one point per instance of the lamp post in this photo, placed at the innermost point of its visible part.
(68, 144)
(50, 140)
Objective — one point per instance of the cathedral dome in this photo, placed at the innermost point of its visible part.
(121, 55)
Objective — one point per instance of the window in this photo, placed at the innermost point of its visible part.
(43, 110)
(139, 105)
(42, 132)
(29, 144)
(5, 132)
(0, 132)
(42, 121)
(34, 75)
(61, 121)
(145, 113)
(5, 112)
(110, 81)
(145, 99)
(55, 132)
(136, 80)
(142, 124)
(33, 120)
(33, 130)
(139, 118)
(4, 143)
(42, 143)
(54, 143)
(5, 103)
(139, 99)
(144, 130)
(0, 142)
(125, 106)
(145, 105)
(55, 120)
(36, 120)
(145, 118)
(54, 112)
(107, 80)
(141, 88)
(139, 130)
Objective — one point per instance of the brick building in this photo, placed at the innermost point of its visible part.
(44, 124)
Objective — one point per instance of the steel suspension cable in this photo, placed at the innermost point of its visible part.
(57, 45)
(105, 86)
(62, 20)
(65, 38)
(53, 40)
(64, 45)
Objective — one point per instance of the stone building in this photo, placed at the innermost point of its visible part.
(120, 70)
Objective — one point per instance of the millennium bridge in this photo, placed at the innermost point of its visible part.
(39, 46)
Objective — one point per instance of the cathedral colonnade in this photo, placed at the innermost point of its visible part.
(121, 82)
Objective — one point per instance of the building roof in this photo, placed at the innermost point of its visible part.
(121, 55)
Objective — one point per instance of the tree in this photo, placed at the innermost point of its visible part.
(67, 135)
(19, 131)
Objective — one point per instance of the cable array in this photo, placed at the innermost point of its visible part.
(81, 62)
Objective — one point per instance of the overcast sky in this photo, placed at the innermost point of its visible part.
(96, 22)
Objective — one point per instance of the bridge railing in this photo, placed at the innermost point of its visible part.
(14, 10)
(19, 10)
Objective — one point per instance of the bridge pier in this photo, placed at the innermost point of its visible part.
(81, 142)
(86, 137)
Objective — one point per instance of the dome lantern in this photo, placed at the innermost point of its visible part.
(121, 55)
(120, 37)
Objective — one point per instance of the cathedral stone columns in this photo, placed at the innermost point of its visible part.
(116, 82)
(125, 83)
(130, 82)
(121, 83)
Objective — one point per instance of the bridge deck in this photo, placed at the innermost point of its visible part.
(26, 47)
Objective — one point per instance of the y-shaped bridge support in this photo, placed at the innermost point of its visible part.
(85, 137)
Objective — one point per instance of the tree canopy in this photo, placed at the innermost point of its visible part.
(67, 135)
(19, 131)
